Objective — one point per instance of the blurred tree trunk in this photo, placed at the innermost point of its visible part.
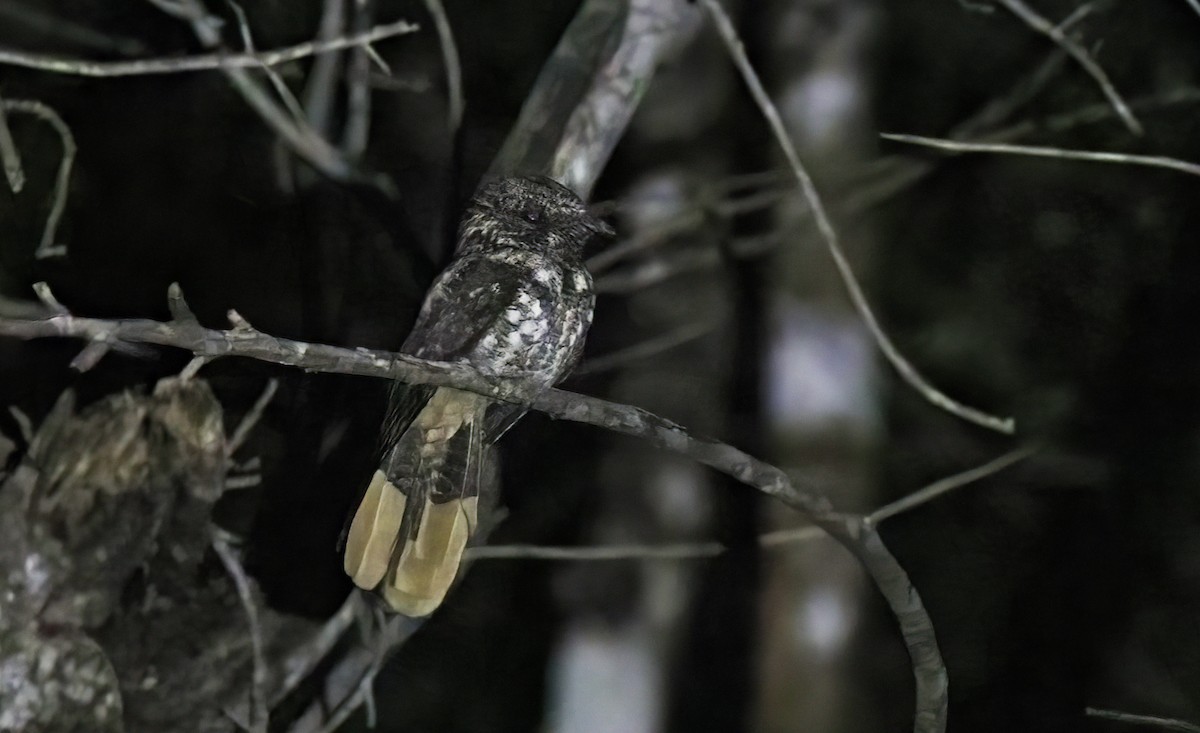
(821, 389)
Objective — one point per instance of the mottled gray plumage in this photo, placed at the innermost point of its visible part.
(516, 302)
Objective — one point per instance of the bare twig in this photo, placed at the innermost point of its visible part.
(193, 367)
(251, 418)
(653, 271)
(976, 7)
(454, 87)
(646, 349)
(204, 62)
(181, 312)
(950, 483)
(680, 551)
(247, 481)
(360, 668)
(350, 704)
(42, 291)
(1150, 720)
(357, 130)
(1055, 33)
(1077, 15)
(24, 424)
(779, 539)
(289, 99)
(647, 238)
(1027, 87)
(869, 185)
(296, 133)
(302, 661)
(62, 182)
(889, 176)
(957, 146)
(259, 714)
(57, 26)
(857, 533)
(906, 370)
(10, 156)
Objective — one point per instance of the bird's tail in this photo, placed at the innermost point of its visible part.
(409, 532)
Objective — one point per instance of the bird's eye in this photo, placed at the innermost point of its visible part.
(532, 214)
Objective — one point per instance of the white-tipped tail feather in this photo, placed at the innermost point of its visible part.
(373, 532)
(429, 562)
(436, 463)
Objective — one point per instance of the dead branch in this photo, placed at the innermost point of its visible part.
(686, 333)
(294, 131)
(46, 247)
(1182, 726)
(203, 62)
(357, 129)
(779, 539)
(855, 532)
(285, 94)
(905, 369)
(1057, 34)
(242, 431)
(959, 146)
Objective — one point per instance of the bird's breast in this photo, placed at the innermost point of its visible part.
(538, 333)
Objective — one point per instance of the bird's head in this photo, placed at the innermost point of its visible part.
(535, 213)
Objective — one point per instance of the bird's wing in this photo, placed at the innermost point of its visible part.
(459, 309)
(409, 532)
(462, 306)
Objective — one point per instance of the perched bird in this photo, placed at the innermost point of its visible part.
(516, 301)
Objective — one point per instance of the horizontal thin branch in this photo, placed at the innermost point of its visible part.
(203, 62)
(779, 539)
(1148, 720)
(857, 533)
(679, 551)
(958, 146)
(651, 347)
(868, 186)
(1056, 33)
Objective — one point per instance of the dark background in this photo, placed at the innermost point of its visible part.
(1062, 293)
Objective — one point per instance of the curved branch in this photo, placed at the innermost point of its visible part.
(857, 533)
(903, 367)
(62, 181)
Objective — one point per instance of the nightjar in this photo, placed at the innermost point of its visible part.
(516, 301)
